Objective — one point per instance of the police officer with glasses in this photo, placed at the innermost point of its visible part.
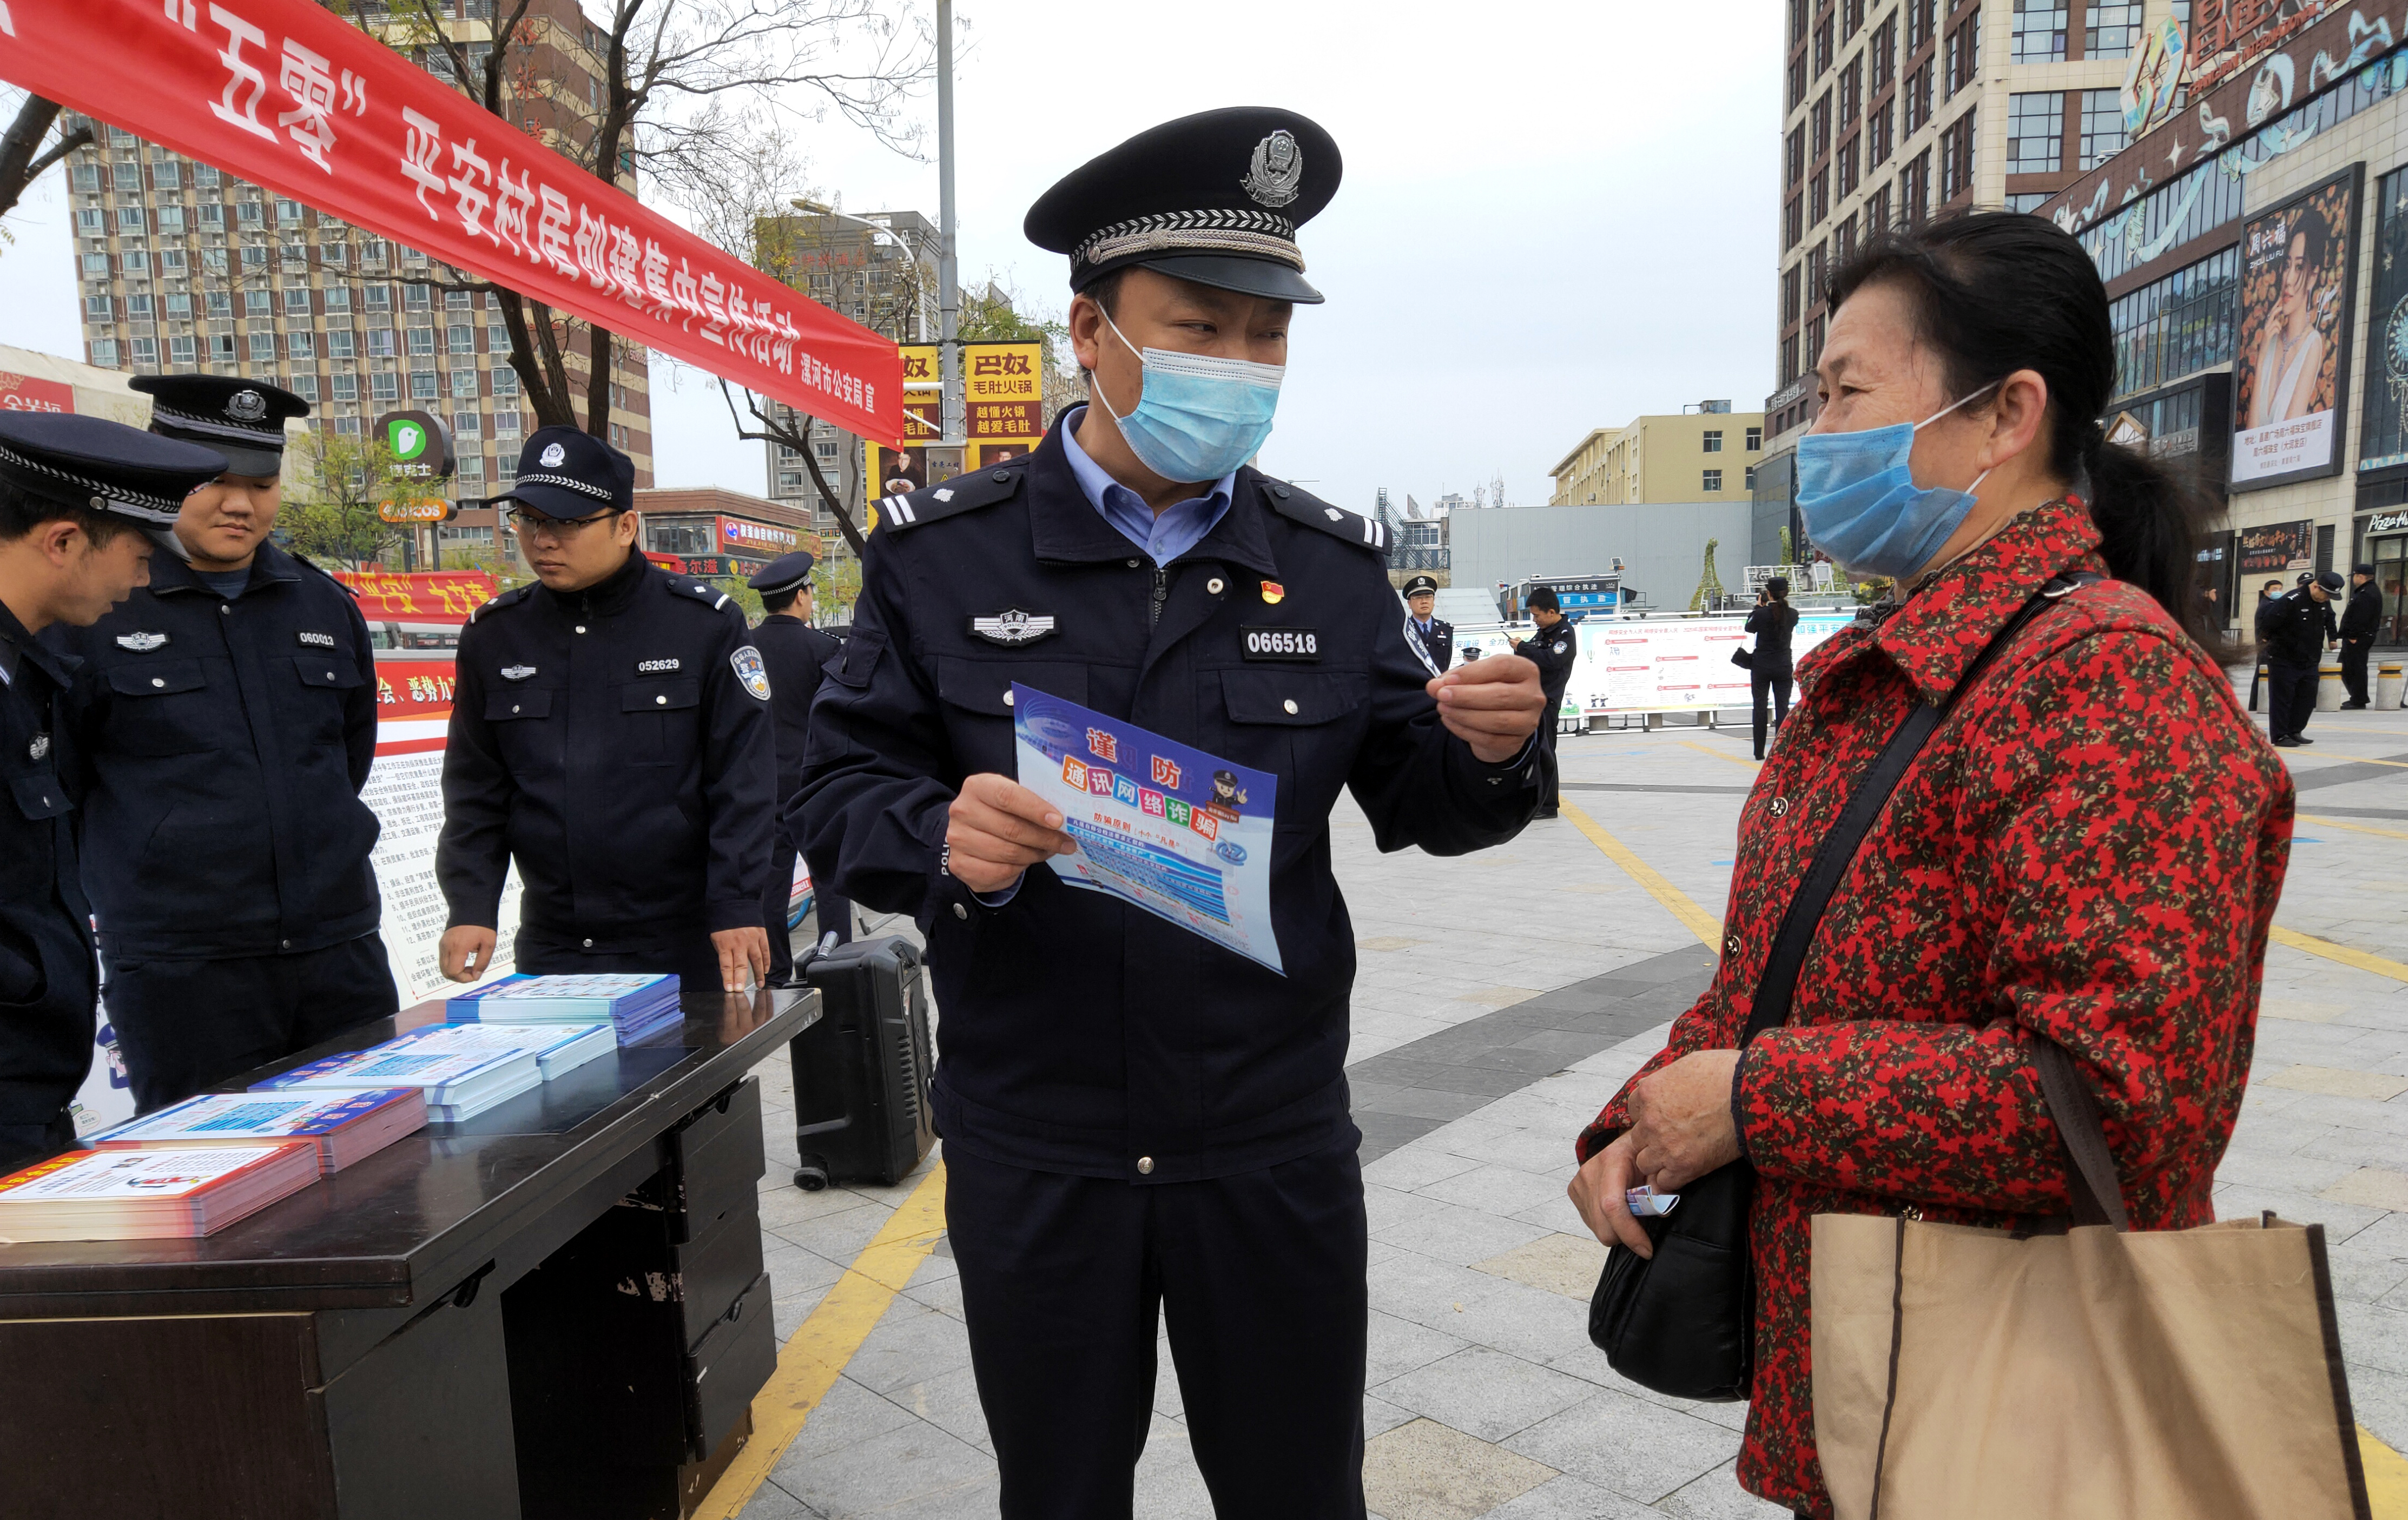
(79, 499)
(1141, 1124)
(226, 721)
(610, 734)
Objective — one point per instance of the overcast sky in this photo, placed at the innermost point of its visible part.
(1555, 216)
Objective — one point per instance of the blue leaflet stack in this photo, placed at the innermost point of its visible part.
(457, 1083)
(638, 1007)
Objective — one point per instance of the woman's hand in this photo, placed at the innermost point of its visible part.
(1596, 1192)
(1681, 1121)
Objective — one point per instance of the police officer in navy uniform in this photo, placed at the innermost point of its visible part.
(1435, 639)
(1138, 1122)
(226, 721)
(610, 733)
(79, 500)
(1554, 648)
(2294, 630)
(794, 652)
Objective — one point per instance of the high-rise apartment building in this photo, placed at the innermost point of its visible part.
(183, 268)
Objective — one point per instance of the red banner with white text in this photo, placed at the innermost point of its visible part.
(290, 96)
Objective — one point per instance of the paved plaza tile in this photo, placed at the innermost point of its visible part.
(1501, 998)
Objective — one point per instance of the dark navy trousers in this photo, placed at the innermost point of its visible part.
(185, 1025)
(1260, 1279)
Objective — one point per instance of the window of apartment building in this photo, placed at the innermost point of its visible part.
(305, 385)
(1711, 480)
(98, 308)
(338, 300)
(1793, 227)
(255, 258)
(506, 469)
(1797, 81)
(422, 385)
(1799, 12)
(263, 350)
(1818, 274)
(1922, 18)
(1965, 55)
(378, 297)
(379, 342)
(346, 387)
(294, 255)
(136, 263)
(2040, 31)
(146, 353)
(171, 263)
(1823, 47)
(506, 423)
(460, 338)
(181, 350)
(1852, 91)
(385, 386)
(1789, 302)
(421, 341)
(206, 178)
(506, 379)
(1957, 158)
(221, 303)
(2103, 126)
(2036, 132)
(301, 347)
(1794, 163)
(464, 382)
(1821, 119)
(2112, 29)
(416, 298)
(1789, 359)
(497, 336)
(91, 221)
(258, 304)
(221, 348)
(1818, 196)
(288, 213)
(171, 221)
(1882, 52)
(129, 220)
(1879, 139)
(85, 178)
(1852, 18)
(104, 352)
(180, 306)
(1843, 237)
(1918, 99)
(137, 308)
(1754, 439)
(249, 214)
(212, 216)
(339, 344)
(167, 175)
(296, 300)
(467, 424)
(456, 300)
(1711, 441)
(1915, 191)
(1813, 343)
(334, 254)
(1850, 153)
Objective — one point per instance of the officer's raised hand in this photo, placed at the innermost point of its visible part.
(998, 828)
(1493, 705)
(743, 957)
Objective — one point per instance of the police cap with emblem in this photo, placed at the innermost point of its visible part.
(566, 473)
(102, 467)
(241, 419)
(783, 574)
(1214, 198)
(1421, 585)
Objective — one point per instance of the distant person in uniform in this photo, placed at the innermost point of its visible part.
(2294, 630)
(79, 499)
(225, 722)
(1553, 649)
(1772, 621)
(2360, 621)
(610, 734)
(2266, 593)
(794, 651)
(1141, 1125)
(1435, 639)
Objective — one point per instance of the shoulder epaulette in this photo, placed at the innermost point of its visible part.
(962, 493)
(1305, 507)
(509, 599)
(308, 564)
(698, 593)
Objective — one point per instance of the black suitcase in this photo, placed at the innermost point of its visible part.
(862, 1100)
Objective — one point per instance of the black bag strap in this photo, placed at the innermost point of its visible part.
(1779, 983)
(2090, 1175)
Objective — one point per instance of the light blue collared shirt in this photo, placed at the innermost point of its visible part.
(1164, 536)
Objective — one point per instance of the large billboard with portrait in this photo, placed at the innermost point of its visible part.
(2291, 366)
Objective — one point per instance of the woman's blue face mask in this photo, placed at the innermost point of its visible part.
(1861, 506)
(1197, 417)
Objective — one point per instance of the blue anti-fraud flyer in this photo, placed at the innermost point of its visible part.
(1179, 833)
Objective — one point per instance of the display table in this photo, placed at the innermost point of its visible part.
(554, 1309)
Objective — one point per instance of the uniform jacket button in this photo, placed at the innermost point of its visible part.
(589, 944)
(1132, 565)
(1289, 705)
(1007, 698)
(514, 707)
(661, 701)
(580, 627)
(1145, 1165)
(283, 944)
(1001, 476)
(960, 911)
(1213, 585)
(156, 681)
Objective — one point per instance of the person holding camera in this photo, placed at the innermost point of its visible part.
(1769, 670)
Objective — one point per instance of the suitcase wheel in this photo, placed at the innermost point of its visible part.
(810, 1179)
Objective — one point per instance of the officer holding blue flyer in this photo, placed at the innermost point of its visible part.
(1142, 957)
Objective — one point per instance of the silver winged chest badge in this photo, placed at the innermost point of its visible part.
(141, 643)
(1013, 627)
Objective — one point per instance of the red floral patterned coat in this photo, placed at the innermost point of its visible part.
(2091, 845)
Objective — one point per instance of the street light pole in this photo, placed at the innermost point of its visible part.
(948, 297)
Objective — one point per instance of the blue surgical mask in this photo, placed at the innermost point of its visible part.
(1860, 503)
(1196, 417)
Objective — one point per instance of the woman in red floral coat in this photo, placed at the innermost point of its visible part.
(2090, 847)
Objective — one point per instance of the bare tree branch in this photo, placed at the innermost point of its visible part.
(19, 166)
(797, 438)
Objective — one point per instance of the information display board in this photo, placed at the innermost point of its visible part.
(1660, 665)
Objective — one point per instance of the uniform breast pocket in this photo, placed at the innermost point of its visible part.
(520, 716)
(325, 684)
(1302, 725)
(979, 710)
(660, 718)
(164, 707)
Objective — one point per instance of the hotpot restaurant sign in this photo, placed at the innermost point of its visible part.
(290, 95)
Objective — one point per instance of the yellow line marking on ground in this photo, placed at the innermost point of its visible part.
(2342, 953)
(810, 1362)
(2387, 1477)
(1719, 755)
(2354, 828)
(2356, 760)
(1708, 929)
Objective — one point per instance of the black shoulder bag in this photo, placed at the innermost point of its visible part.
(1682, 1323)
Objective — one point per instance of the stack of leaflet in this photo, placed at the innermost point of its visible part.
(149, 1195)
(638, 1007)
(458, 1083)
(558, 1047)
(345, 1126)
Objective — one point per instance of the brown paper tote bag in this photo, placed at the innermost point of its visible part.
(2091, 1375)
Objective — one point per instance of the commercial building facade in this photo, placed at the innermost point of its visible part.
(182, 269)
(718, 534)
(1706, 452)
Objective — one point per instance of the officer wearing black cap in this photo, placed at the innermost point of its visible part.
(794, 652)
(1554, 649)
(1433, 637)
(1133, 1115)
(610, 733)
(79, 500)
(225, 721)
(2360, 621)
(2294, 630)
